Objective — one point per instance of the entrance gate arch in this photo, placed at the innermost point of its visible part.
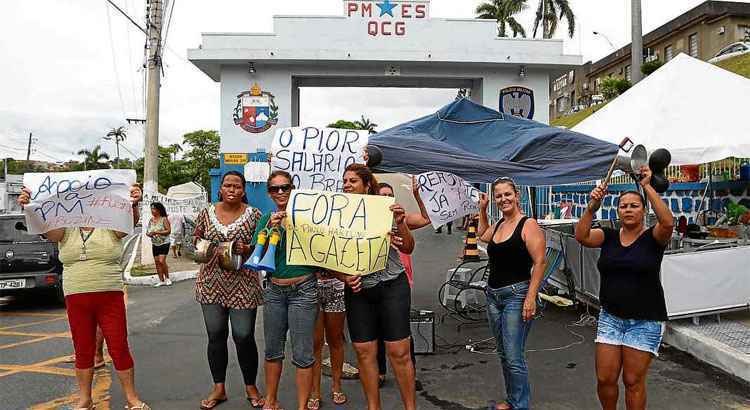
(387, 43)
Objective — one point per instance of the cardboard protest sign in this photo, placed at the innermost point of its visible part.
(316, 157)
(343, 232)
(447, 196)
(97, 198)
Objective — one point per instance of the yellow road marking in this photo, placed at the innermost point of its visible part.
(38, 369)
(38, 322)
(99, 393)
(26, 342)
(21, 314)
(59, 334)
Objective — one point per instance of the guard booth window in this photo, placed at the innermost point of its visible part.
(693, 45)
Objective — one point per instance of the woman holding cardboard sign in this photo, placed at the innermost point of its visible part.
(229, 296)
(291, 301)
(94, 297)
(515, 246)
(378, 304)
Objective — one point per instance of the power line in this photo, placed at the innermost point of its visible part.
(114, 61)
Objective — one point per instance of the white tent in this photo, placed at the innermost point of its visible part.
(187, 190)
(699, 112)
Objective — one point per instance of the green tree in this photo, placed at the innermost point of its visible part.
(92, 158)
(547, 15)
(118, 134)
(175, 148)
(650, 66)
(611, 87)
(503, 11)
(344, 124)
(202, 155)
(366, 124)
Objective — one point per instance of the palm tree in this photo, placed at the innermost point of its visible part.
(502, 11)
(91, 159)
(365, 124)
(175, 148)
(119, 135)
(546, 13)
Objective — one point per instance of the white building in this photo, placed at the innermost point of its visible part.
(386, 43)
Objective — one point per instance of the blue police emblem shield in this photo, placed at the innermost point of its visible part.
(517, 101)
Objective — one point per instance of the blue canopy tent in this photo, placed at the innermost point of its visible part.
(480, 144)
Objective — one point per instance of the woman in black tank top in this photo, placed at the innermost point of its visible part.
(515, 246)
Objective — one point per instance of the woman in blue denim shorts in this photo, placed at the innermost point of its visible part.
(291, 304)
(515, 246)
(631, 321)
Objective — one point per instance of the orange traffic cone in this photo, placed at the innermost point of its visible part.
(471, 252)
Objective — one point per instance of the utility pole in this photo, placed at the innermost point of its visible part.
(28, 151)
(636, 52)
(151, 157)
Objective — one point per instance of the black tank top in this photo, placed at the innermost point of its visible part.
(510, 262)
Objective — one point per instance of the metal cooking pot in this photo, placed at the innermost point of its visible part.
(229, 260)
(204, 249)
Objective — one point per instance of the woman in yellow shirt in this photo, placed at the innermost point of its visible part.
(93, 288)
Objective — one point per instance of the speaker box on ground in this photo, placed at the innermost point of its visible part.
(423, 331)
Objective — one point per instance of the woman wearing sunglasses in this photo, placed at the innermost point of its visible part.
(229, 296)
(291, 303)
(631, 321)
(515, 246)
(378, 304)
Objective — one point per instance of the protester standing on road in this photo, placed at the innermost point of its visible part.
(329, 328)
(229, 296)
(93, 288)
(515, 247)
(631, 321)
(158, 229)
(291, 302)
(177, 223)
(378, 304)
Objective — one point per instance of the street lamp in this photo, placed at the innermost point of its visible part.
(596, 33)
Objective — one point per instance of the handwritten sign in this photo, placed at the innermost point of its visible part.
(447, 197)
(343, 232)
(316, 157)
(99, 199)
(189, 207)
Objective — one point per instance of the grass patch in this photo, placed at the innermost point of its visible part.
(143, 270)
(738, 65)
(570, 121)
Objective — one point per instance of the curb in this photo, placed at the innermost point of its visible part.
(708, 350)
(153, 279)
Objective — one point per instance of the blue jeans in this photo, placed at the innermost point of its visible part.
(292, 308)
(504, 310)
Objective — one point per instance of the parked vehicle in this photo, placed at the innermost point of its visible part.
(28, 263)
(732, 50)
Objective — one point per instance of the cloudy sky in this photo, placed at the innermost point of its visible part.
(71, 69)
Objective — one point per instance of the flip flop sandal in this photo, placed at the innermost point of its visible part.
(339, 397)
(216, 402)
(313, 404)
(143, 406)
(256, 402)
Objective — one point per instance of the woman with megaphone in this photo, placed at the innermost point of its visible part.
(291, 298)
(229, 295)
(633, 310)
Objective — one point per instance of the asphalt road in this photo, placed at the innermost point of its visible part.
(169, 341)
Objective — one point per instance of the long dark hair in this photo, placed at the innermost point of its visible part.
(367, 177)
(159, 208)
(244, 184)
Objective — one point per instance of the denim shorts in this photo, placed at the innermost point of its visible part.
(292, 308)
(644, 335)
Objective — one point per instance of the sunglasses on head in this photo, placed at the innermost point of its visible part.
(279, 189)
(504, 179)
